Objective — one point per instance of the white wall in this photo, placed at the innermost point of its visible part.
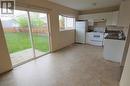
(60, 39)
(125, 80)
(124, 13)
(111, 17)
(5, 62)
(124, 20)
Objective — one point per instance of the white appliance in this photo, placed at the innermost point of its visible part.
(81, 28)
(95, 38)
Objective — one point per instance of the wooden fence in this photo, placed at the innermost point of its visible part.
(34, 30)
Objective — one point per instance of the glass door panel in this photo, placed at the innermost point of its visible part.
(40, 34)
(17, 36)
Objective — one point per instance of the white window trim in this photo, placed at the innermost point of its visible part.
(66, 25)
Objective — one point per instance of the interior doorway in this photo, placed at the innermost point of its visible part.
(26, 34)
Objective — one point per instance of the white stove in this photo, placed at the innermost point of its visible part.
(95, 38)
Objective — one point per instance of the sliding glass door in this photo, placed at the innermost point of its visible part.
(17, 36)
(40, 35)
(26, 35)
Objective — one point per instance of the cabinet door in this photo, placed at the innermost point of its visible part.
(115, 18)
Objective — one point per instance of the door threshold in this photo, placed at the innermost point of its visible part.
(32, 59)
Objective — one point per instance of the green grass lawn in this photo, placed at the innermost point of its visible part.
(20, 41)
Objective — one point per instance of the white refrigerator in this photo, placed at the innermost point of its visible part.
(81, 29)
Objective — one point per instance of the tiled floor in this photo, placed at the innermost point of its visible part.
(77, 65)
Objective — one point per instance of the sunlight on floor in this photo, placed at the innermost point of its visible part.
(24, 55)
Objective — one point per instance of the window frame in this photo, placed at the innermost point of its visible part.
(65, 29)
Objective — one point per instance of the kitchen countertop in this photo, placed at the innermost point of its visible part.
(115, 35)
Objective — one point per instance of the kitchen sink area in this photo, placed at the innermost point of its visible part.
(117, 35)
(114, 44)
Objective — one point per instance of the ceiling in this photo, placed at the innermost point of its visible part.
(87, 4)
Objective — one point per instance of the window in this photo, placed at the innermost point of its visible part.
(66, 23)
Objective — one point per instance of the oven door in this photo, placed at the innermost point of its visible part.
(95, 38)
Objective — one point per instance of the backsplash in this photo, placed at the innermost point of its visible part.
(114, 28)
